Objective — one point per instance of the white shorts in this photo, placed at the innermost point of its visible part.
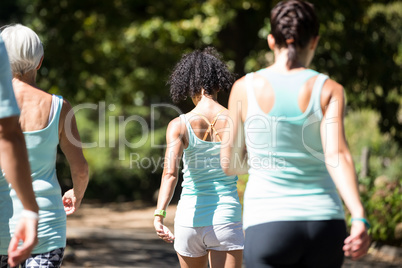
(197, 241)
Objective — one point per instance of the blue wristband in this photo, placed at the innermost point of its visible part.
(366, 223)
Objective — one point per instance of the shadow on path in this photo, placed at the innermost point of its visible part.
(118, 248)
(122, 235)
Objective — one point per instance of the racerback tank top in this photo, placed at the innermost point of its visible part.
(209, 196)
(288, 177)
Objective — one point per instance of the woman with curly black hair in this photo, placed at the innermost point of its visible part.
(208, 217)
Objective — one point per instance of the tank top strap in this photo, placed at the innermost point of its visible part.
(53, 108)
(252, 103)
(59, 104)
(190, 132)
(211, 125)
(217, 115)
(316, 93)
(54, 123)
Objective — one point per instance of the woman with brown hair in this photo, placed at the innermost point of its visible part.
(289, 119)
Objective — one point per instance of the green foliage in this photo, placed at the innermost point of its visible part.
(125, 157)
(241, 186)
(380, 190)
(359, 48)
(362, 131)
(121, 52)
(112, 50)
(383, 206)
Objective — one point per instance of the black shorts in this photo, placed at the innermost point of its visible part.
(295, 244)
(52, 259)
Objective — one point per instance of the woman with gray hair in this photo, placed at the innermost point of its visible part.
(47, 121)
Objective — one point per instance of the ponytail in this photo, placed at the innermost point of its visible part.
(292, 53)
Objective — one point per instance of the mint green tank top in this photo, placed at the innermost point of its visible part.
(288, 178)
(42, 151)
(209, 196)
(8, 104)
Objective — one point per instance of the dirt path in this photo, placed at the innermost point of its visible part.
(122, 235)
(117, 235)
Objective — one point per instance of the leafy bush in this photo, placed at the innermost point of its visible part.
(380, 189)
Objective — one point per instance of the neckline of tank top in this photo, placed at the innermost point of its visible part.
(286, 74)
(49, 124)
(305, 114)
(191, 128)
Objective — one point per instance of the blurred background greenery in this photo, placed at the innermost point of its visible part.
(116, 56)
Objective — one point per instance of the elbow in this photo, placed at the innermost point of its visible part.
(228, 171)
(227, 167)
(334, 158)
(231, 173)
(169, 178)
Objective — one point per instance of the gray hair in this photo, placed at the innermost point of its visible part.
(24, 48)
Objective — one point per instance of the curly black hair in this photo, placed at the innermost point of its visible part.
(200, 69)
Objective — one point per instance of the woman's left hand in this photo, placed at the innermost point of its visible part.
(70, 202)
(358, 243)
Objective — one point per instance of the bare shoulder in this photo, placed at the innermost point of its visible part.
(176, 128)
(238, 92)
(66, 104)
(259, 82)
(65, 114)
(65, 108)
(332, 87)
(238, 99)
(331, 91)
(239, 87)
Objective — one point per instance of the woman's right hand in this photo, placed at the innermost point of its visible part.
(162, 231)
(71, 202)
(27, 232)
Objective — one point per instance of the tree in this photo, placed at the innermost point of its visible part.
(121, 52)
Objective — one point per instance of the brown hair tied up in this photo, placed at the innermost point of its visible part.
(293, 24)
(290, 41)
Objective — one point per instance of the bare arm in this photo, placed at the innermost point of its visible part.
(341, 168)
(70, 144)
(14, 162)
(174, 152)
(233, 151)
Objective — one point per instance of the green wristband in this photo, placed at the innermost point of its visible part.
(366, 223)
(160, 212)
